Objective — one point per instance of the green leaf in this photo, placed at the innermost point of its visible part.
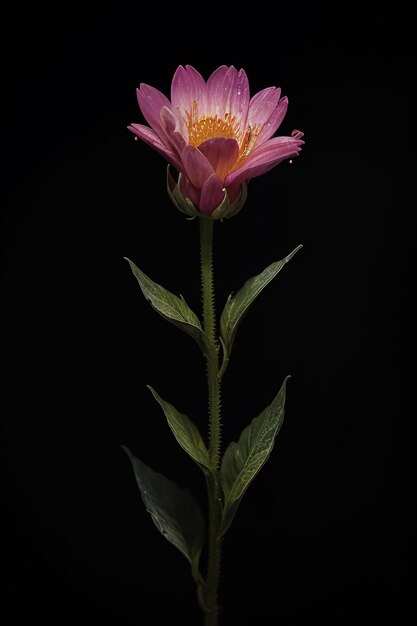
(174, 511)
(238, 304)
(243, 460)
(185, 432)
(171, 307)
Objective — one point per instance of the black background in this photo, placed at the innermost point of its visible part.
(325, 532)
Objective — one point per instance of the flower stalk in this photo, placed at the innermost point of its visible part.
(213, 382)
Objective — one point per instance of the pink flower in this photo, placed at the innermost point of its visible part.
(215, 135)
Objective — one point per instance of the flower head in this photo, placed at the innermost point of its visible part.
(215, 135)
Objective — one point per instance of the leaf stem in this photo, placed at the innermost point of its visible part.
(212, 361)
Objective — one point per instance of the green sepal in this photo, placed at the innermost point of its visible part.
(174, 511)
(172, 308)
(185, 432)
(244, 459)
(229, 209)
(182, 204)
(238, 304)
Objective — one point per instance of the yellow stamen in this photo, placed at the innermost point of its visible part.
(201, 129)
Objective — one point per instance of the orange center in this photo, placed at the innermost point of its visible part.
(201, 129)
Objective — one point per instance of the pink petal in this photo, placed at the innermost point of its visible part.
(219, 87)
(188, 86)
(222, 152)
(148, 135)
(167, 119)
(233, 191)
(189, 191)
(196, 166)
(182, 123)
(152, 139)
(228, 92)
(297, 134)
(170, 125)
(274, 121)
(265, 158)
(212, 195)
(239, 98)
(262, 105)
(213, 84)
(151, 101)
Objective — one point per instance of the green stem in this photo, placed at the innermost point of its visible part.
(213, 483)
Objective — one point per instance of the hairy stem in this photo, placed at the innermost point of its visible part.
(213, 482)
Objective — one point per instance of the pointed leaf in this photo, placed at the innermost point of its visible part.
(238, 304)
(171, 307)
(174, 511)
(243, 460)
(185, 432)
